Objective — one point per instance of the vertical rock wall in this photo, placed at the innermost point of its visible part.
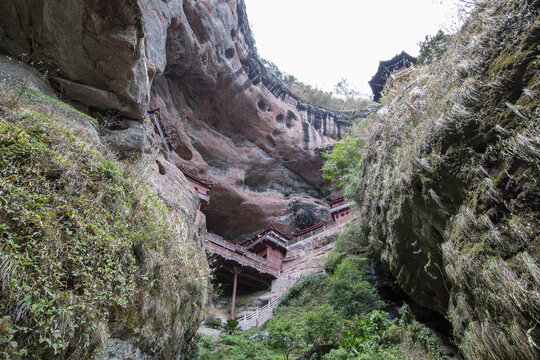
(230, 121)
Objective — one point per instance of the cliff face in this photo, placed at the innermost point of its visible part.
(448, 186)
(221, 117)
(224, 118)
(231, 122)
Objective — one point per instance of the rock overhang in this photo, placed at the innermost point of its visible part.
(225, 117)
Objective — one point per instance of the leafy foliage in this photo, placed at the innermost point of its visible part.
(333, 260)
(368, 335)
(234, 347)
(322, 326)
(231, 327)
(352, 240)
(349, 290)
(284, 334)
(80, 241)
(416, 332)
(301, 294)
(332, 317)
(338, 162)
(433, 48)
(213, 323)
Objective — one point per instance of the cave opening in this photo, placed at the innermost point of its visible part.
(389, 290)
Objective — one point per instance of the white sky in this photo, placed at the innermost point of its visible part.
(321, 41)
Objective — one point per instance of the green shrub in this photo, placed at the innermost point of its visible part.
(337, 163)
(310, 289)
(349, 289)
(234, 347)
(333, 260)
(352, 240)
(284, 334)
(322, 326)
(231, 327)
(369, 334)
(213, 323)
(337, 354)
(433, 48)
(417, 332)
(80, 245)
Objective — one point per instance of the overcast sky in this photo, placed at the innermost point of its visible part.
(321, 41)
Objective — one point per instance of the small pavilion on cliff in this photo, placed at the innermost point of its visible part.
(270, 244)
(386, 68)
(339, 209)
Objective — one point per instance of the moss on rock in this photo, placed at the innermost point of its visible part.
(86, 251)
(447, 188)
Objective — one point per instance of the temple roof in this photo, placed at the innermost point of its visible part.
(272, 227)
(378, 80)
(311, 228)
(332, 202)
(248, 243)
(340, 208)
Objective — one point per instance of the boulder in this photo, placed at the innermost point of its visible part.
(94, 48)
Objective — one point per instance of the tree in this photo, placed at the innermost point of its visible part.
(350, 290)
(285, 335)
(433, 47)
(346, 154)
(344, 89)
(322, 326)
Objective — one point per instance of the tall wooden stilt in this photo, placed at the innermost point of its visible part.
(236, 271)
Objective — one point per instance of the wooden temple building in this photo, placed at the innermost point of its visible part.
(385, 70)
(270, 244)
(254, 263)
(340, 209)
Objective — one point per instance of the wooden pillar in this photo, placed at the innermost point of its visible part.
(236, 271)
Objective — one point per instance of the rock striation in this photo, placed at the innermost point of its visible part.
(231, 122)
(224, 117)
(93, 50)
(448, 194)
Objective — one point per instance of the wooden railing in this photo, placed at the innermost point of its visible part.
(322, 231)
(260, 316)
(217, 245)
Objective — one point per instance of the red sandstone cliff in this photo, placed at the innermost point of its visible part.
(225, 118)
